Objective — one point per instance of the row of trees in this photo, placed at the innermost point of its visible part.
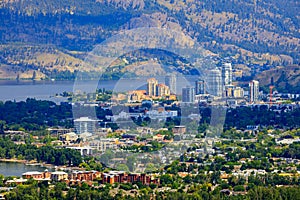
(48, 154)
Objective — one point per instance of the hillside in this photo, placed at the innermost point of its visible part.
(285, 79)
(260, 34)
(21, 61)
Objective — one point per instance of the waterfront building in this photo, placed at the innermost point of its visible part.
(152, 86)
(162, 90)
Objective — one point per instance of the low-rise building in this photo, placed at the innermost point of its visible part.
(69, 137)
(84, 175)
(33, 174)
(16, 181)
(123, 177)
(104, 143)
(158, 137)
(179, 129)
(59, 176)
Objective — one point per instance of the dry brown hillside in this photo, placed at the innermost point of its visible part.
(283, 78)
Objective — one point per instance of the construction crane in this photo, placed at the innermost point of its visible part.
(271, 94)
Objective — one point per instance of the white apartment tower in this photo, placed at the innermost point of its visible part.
(253, 91)
(227, 74)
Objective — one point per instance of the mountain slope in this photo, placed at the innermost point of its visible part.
(285, 79)
(258, 33)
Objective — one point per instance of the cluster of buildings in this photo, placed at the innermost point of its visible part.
(216, 84)
(155, 90)
(281, 165)
(123, 177)
(101, 143)
(88, 177)
(219, 84)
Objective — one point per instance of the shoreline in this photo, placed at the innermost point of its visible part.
(33, 163)
(13, 160)
(28, 163)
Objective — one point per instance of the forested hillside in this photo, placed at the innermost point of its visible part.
(250, 31)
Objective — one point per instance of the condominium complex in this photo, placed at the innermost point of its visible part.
(157, 90)
(162, 90)
(151, 86)
(253, 91)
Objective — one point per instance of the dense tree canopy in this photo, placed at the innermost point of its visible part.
(48, 154)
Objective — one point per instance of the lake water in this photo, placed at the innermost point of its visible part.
(46, 90)
(17, 169)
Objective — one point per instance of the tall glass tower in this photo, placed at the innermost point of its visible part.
(170, 81)
(214, 83)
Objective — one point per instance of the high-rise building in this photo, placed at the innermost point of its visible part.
(200, 87)
(214, 82)
(162, 90)
(253, 91)
(238, 92)
(229, 90)
(188, 94)
(151, 86)
(227, 74)
(233, 91)
(85, 125)
(170, 81)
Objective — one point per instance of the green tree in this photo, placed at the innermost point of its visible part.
(122, 167)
